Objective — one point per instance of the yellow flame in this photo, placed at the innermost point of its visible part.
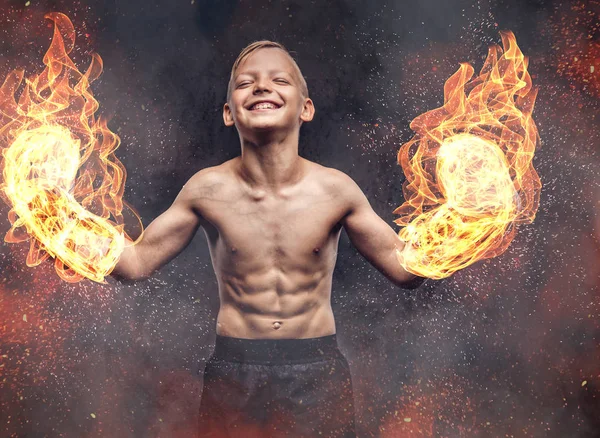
(470, 178)
(61, 178)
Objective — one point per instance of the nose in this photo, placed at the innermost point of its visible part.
(261, 85)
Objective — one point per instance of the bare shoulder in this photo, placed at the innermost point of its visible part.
(335, 181)
(209, 183)
(337, 185)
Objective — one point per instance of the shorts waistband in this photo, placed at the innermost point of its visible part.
(275, 351)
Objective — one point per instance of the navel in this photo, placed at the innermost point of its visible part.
(276, 325)
(317, 250)
(233, 250)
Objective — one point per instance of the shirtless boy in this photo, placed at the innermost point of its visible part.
(273, 221)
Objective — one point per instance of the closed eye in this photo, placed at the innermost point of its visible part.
(281, 81)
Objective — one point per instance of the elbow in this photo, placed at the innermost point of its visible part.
(404, 279)
(123, 277)
(411, 283)
(129, 279)
(127, 276)
(139, 275)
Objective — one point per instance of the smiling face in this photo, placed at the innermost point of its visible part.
(267, 95)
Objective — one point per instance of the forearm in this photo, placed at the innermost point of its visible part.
(380, 245)
(139, 261)
(164, 238)
(128, 267)
(396, 273)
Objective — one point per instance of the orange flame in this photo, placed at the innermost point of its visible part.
(469, 173)
(61, 177)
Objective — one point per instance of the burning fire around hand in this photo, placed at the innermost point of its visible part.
(60, 176)
(469, 174)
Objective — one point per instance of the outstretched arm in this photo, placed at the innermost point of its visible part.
(164, 238)
(374, 238)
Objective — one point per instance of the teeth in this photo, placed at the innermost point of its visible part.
(265, 105)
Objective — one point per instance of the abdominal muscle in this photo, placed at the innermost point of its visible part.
(275, 305)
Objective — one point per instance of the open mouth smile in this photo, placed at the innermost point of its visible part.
(264, 106)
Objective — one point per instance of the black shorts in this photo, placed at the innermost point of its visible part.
(277, 388)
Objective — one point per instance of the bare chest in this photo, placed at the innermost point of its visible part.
(278, 230)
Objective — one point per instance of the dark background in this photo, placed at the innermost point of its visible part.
(507, 347)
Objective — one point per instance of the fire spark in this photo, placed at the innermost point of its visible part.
(469, 174)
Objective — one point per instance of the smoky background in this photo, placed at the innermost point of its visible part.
(507, 347)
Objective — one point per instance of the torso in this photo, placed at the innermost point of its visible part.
(273, 253)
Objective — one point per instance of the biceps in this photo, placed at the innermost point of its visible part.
(369, 233)
(171, 232)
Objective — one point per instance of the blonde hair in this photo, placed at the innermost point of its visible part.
(264, 44)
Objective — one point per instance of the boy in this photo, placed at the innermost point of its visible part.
(273, 221)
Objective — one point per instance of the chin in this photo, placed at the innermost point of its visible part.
(267, 127)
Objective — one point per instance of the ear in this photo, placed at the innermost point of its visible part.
(227, 115)
(308, 110)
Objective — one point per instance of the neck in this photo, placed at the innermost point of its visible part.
(271, 162)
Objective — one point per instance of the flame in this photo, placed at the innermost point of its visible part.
(61, 178)
(469, 174)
